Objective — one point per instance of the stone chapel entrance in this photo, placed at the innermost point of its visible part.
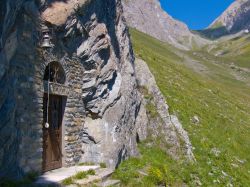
(52, 135)
(53, 110)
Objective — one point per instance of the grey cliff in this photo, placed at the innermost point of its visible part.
(147, 16)
(163, 124)
(234, 19)
(103, 111)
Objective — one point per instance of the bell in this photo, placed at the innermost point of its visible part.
(46, 43)
(46, 35)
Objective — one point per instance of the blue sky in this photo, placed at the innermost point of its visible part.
(197, 14)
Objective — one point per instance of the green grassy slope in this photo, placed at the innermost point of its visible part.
(237, 47)
(221, 140)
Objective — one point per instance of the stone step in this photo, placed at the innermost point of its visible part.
(56, 176)
(109, 182)
(71, 185)
(100, 176)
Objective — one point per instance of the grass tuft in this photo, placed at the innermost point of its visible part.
(68, 181)
(78, 176)
(103, 165)
(86, 164)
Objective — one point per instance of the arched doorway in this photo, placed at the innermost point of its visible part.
(53, 111)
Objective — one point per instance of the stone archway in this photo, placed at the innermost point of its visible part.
(54, 72)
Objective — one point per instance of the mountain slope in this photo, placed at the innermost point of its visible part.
(234, 19)
(148, 17)
(209, 83)
(234, 50)
(222, 105)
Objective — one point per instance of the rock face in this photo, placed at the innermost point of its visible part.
(90, 64)
(92, 45)
(147, 16)
(161, 123)
(234, 19)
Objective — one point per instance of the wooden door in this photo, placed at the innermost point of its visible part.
(52, 136)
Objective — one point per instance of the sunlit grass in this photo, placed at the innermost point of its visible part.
(222, 138)
(79, 175)
(236, 50)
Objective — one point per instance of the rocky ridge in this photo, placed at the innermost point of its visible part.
(148, 17)
(161, 124)
(234, 19)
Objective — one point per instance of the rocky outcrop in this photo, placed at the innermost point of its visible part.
(91, 43)
(161, 124)
(234, 19)
(148, 17)
(103, 112)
